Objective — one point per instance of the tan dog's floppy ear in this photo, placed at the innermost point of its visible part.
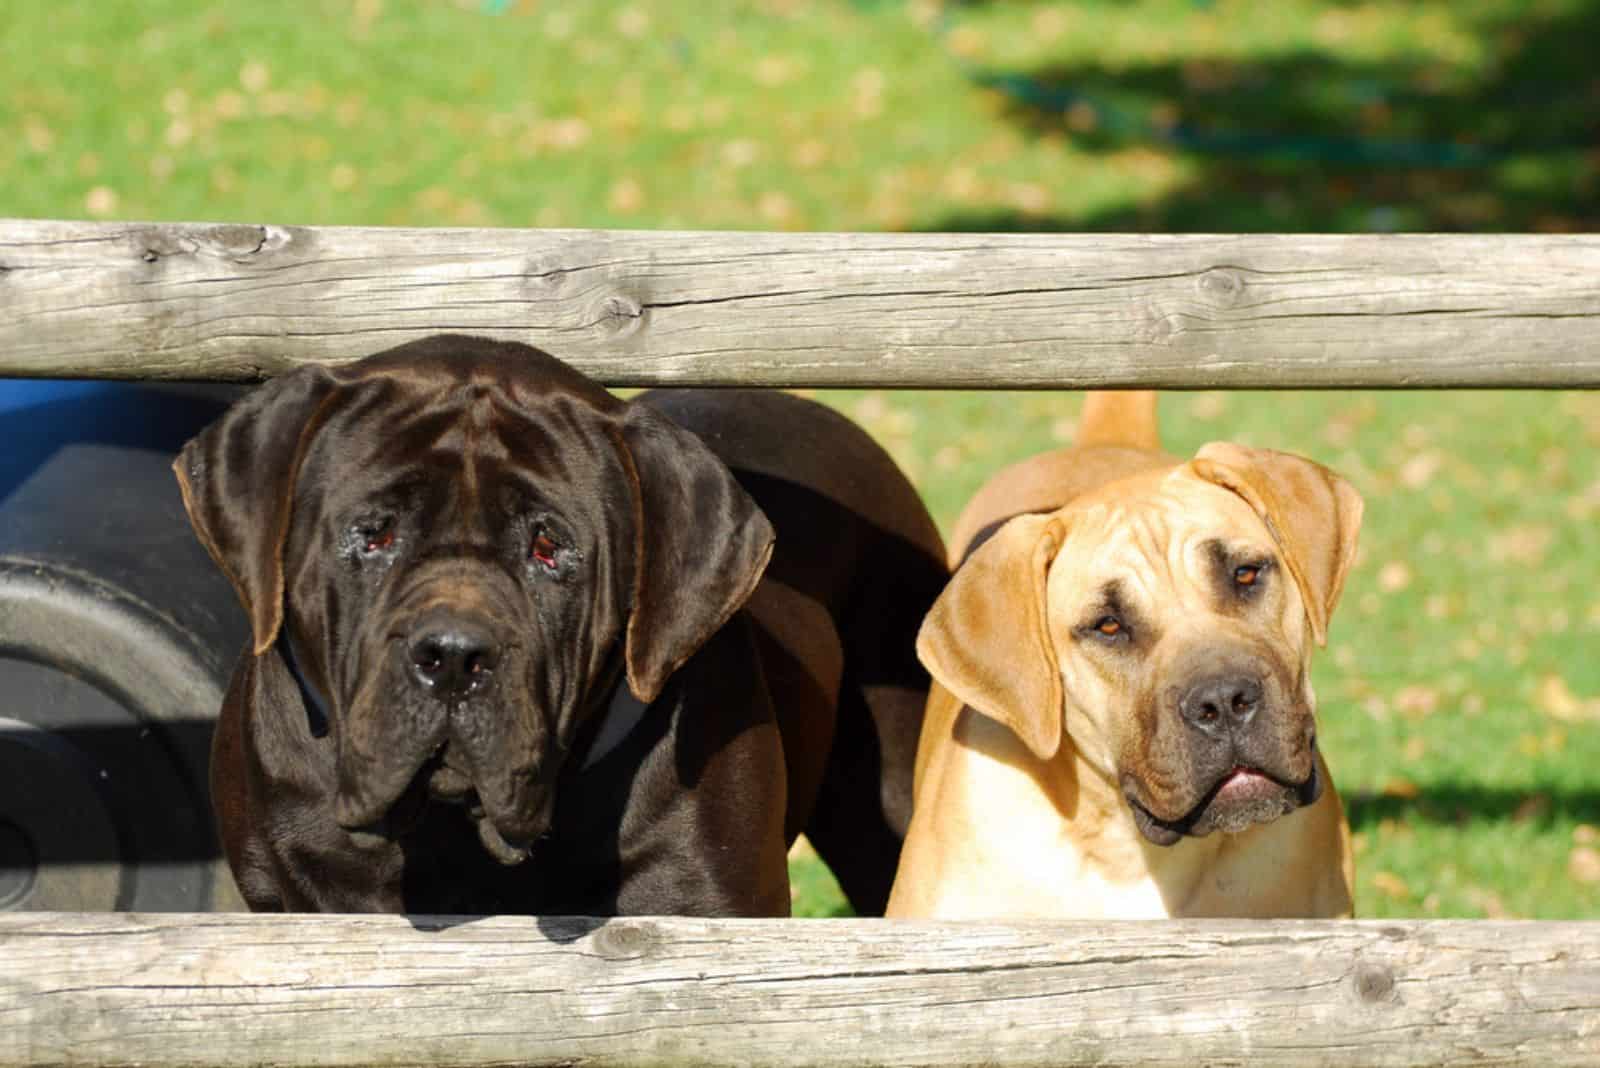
(1314, 515)
(237, 478)
(987, 638)
(702, 547)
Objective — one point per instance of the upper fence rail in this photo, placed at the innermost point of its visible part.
(635, 308)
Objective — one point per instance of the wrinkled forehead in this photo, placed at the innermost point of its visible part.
(1156, 535)
(465, 433)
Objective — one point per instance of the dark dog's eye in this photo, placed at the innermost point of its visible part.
(544, 549)
(376, 537)
(1108, 626)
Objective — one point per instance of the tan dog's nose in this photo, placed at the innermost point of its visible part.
(452, 657)
(1218, 705)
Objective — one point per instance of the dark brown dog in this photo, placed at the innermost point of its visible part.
(514, 650)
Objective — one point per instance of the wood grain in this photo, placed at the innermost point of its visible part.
(225, 989)
(813, 310)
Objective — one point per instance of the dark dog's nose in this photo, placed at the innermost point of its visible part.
(1221, 703)
(452, 658)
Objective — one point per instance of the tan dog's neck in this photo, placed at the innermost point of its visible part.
(1103, 849)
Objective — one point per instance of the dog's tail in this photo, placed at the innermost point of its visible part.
(1125, 418)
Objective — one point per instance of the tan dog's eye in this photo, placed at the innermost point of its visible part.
(1247, 575)
(1110, 626)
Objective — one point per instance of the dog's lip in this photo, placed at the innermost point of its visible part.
(508, 853)
(450, 785)
(1242, 783)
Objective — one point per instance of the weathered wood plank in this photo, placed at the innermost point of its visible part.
(103, 989)
(933, 310)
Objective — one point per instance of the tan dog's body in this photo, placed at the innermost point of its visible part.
(1067, 767)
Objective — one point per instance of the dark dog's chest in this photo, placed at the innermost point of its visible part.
(447, 872)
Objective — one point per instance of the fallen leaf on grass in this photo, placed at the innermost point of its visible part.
(1530, 808)
(1401, 789)
(101, 202)
(1390, 885)
(1524, 544)
(1417, 701)
(626, 196)
(1420, 469)
(1583, 865)
(1490, 903)
(1393, 829)
(1557, 700)
(1207, 407)
(1394, 576)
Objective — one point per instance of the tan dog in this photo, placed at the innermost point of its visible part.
(1123, 724)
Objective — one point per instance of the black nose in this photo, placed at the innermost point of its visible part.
(451, 658)
(1221, 703)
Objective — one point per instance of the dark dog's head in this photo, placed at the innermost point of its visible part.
(458, 540)
(1165, 624)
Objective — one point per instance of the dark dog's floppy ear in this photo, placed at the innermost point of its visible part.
(702, 546)
(1313, 514)
(987, 637)
(237, 478)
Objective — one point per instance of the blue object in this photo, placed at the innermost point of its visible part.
(19, 393)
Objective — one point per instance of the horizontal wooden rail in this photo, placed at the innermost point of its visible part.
(135, 300)
(115, 989)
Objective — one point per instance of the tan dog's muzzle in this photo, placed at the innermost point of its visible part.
(1226, 740)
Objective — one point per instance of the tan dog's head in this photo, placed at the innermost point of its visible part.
(1165, 623)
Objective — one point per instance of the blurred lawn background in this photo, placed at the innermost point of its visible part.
(1460, 693)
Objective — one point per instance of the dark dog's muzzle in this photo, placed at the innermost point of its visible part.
(438, 722)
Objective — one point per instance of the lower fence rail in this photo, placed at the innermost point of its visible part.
(236, 989)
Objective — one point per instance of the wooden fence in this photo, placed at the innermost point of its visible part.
(910, 310)
(370, 990)
(1035, 311)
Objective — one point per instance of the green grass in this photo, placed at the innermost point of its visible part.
(1460, 694)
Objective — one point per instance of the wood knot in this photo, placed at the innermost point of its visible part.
(1223, 286)
(1372, 983)
(621, 940)
(233, 239)
(620, 315)
(1159, 327)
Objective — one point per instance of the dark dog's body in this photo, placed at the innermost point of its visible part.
(501, 663)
